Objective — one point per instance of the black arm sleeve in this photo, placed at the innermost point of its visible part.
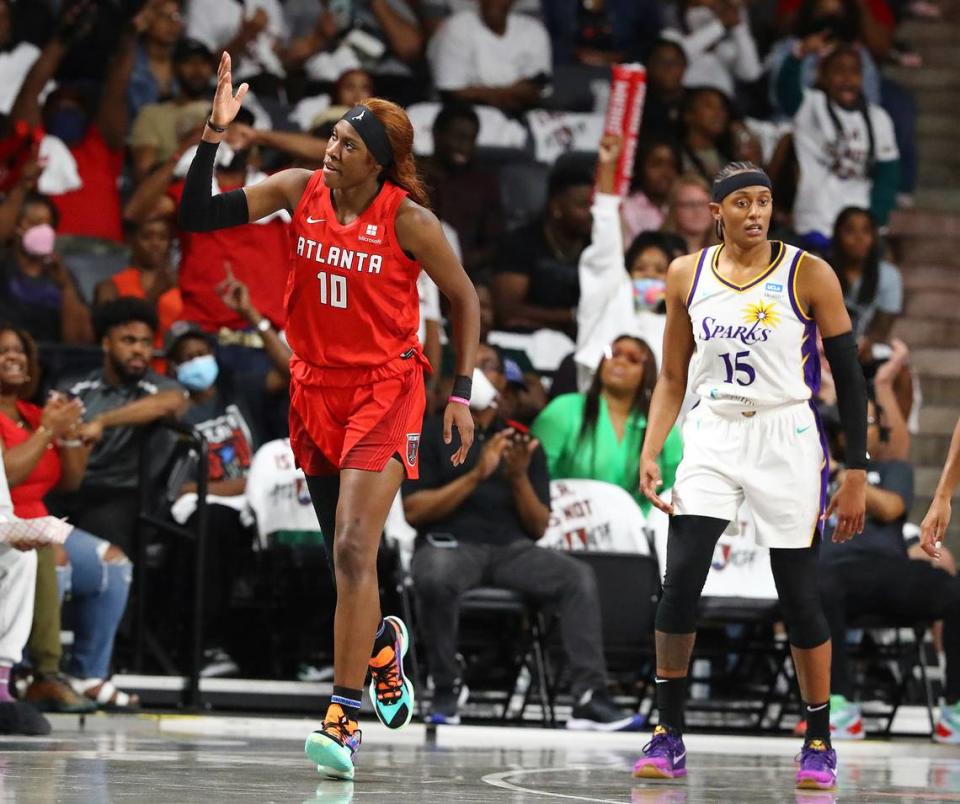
(841, 353)
(200, 210)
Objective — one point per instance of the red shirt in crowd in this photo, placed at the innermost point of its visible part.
(169, 307)
(94, 209)
(257, 256)
(28, 496)
(878, 9)
(351, 298)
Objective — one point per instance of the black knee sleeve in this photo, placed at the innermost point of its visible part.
(690, 546)
(324, 493)
(795, 574)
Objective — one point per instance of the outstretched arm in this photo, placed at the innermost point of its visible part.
(420, 234)
(200, 210)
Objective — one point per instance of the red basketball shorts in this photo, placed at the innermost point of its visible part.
(358, 426)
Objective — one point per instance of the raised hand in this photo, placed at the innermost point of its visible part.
(226, 104)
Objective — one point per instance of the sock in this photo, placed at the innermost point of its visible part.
(818, 722)
(383, 639)
(671, 697)
(5, 696)
(348, 700)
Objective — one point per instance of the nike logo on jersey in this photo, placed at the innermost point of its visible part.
(315, 220)
(803, 429)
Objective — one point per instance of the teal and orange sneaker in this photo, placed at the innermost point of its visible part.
(391, 692)
(948, 726)
(333, 746)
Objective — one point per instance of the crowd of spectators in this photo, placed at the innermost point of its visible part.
(101, 109)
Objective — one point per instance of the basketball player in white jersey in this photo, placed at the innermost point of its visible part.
(743, 317)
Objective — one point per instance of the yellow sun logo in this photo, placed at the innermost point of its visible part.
(763, 313)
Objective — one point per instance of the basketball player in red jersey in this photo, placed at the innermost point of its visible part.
(360, 234)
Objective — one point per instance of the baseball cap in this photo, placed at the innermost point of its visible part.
(187, 48)
(180, 330)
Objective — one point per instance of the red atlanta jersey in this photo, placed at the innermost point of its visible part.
(351, 300)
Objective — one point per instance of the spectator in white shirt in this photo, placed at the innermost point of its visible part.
(492, 56)
(15, 59)
(252, 31)
(715, 35)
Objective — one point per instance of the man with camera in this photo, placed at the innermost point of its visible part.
(478, 524)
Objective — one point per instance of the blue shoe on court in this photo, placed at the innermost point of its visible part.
(332, 748)
(391, 692)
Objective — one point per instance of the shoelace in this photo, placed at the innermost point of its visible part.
(388, 681)
(660, 744)
(351, 739)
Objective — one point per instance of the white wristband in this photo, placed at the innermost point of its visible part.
(264, 325)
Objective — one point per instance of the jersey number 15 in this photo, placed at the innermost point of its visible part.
(738, 366)
(333, 289)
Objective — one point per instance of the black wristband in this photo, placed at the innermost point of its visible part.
(200, 210)
(841, 354)
(462, 386)
(213, 126)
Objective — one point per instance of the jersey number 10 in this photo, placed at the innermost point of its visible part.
(738, 366)
(333, 289)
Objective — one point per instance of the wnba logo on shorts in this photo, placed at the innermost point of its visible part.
(413, 444)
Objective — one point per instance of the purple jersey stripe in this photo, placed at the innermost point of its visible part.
(824, 471)
(696, 276)
(810, 358)
(791, 286)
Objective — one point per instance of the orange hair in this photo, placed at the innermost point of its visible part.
(403, 171)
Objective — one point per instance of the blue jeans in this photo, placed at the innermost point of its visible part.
(99, 592)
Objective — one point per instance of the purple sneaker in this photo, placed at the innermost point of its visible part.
(664, 757)
(818, 767)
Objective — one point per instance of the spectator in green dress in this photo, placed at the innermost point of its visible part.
(597, 435)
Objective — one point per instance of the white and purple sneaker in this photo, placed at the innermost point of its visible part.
(664, 757)
(818, 767)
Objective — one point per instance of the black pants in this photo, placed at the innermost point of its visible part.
(442, 574)
(899, 587)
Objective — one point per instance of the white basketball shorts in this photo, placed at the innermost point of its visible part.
(773, 458)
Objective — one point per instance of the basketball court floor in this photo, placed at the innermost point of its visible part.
(177, 760)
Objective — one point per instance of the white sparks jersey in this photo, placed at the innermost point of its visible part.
(754, 346)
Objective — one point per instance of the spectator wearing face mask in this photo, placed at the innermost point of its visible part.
(232, 438)
(39, 294)
(619, 292)
(210, 259)
(95, 137)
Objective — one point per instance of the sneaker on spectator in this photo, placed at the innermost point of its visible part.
(846, 720)
(51, 693)
(947, 729)
(596, 711)
(217, 663)
(446, 703)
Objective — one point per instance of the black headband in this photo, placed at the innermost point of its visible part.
(372, 132)
(749, 178)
